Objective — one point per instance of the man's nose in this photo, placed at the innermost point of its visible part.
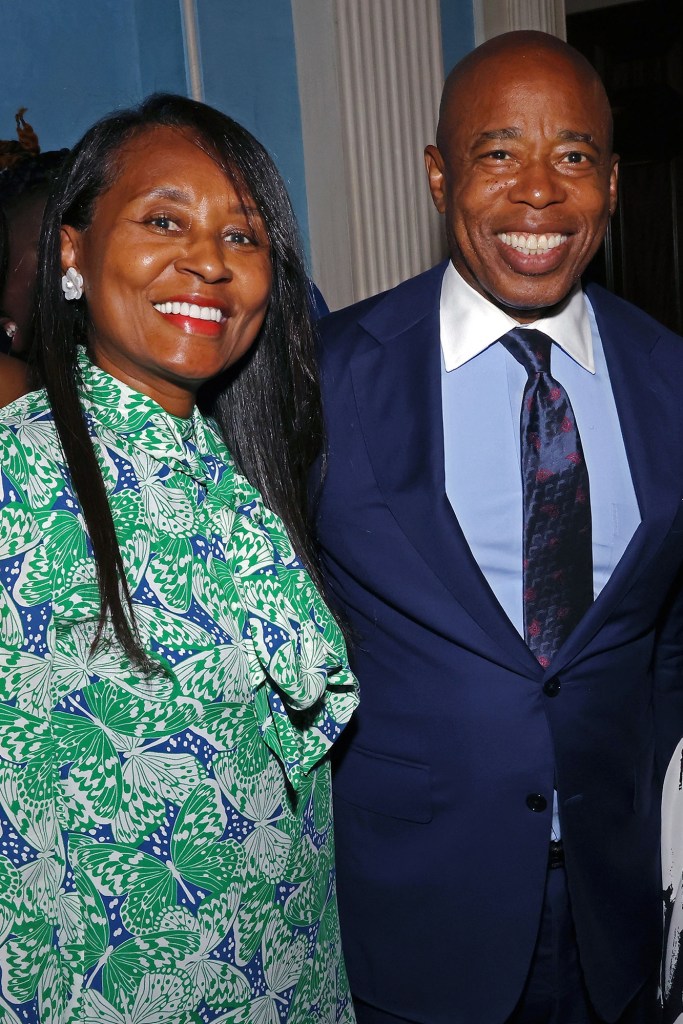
(537, 184)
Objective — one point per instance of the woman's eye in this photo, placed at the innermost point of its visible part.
(163, 223)
(239, 238)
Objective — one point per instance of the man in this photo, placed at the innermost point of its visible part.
(519, 649)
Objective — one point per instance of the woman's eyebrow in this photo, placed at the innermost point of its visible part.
(177, 195)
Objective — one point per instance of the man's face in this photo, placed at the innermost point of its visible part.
(525, 178)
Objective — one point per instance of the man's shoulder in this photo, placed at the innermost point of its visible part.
(610, 308)
(414, 296)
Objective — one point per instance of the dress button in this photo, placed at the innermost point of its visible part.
(552, 687)
(536, 802)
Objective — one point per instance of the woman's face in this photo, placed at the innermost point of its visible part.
(176, 278)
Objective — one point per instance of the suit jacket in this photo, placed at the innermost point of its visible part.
(443, 795)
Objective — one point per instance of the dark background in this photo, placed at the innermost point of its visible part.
(638, 50)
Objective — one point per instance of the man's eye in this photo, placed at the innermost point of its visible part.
(575, 157)
(498, 154)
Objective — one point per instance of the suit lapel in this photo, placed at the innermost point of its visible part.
(397, 387)
(649, 415)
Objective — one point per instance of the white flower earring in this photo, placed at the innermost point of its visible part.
(72, 284)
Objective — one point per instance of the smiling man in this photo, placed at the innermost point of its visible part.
(501, 522)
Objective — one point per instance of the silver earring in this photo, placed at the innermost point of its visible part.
(72, 284)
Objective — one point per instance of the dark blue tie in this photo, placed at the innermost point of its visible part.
(558, 556)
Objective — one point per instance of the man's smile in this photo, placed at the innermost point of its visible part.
(532, 244)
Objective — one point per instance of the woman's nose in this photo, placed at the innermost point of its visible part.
(205, 256)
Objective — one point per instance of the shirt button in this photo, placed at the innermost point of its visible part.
(536, 802)
(552, 687)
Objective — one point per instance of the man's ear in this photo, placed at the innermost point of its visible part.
(436, 176)
(614, 184)
(71, 247)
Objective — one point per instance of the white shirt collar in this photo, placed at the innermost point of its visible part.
(470, 323)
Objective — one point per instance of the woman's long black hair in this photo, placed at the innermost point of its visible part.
(267, 407)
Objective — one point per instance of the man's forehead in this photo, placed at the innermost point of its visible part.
(501, 99)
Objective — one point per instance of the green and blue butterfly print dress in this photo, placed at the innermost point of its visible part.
(166, 848)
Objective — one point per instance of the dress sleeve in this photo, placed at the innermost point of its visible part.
(308, 692)
(26, 627)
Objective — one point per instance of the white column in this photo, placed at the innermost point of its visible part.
(492, 17)
(370, 77)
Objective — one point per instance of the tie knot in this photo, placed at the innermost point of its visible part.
(530, 348)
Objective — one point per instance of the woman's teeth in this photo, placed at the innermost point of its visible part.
(190, 309)
(532, 245)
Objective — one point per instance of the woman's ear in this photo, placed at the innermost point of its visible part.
(71, 239)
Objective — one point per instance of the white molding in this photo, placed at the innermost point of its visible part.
(370, 77)
(193, 60)
(324, 159)
(479, 17)
(493, 17)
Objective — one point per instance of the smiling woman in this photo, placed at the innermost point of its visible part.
(177, 278)
(172, 679)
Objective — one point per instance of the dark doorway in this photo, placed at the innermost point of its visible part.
(638, 49)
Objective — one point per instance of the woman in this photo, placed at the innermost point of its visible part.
(26, 176)
(172, 679)
(26, 179)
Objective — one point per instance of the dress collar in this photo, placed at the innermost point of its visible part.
(470, 323)
(185, 445)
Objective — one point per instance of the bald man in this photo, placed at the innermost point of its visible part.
(502, 524)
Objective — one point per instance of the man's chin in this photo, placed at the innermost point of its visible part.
(532, 306)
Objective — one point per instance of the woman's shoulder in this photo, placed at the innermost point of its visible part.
(13, 379)
(31, 406)
(31, 458)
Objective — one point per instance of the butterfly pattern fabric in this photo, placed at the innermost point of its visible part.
(166, 847)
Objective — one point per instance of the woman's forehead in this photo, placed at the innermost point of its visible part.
(173, 163)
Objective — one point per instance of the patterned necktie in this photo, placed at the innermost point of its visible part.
(558, 556)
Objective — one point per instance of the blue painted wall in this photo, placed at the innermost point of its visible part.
(73, 61)
(249, 71)
(457, 31)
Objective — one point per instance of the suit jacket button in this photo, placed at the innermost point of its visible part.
(536, 802)
(552, 687)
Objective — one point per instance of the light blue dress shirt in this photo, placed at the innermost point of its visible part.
(482, 386)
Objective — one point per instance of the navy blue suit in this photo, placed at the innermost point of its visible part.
(442, 840)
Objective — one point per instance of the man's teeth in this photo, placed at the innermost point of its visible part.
(190, 309)
(532, 245)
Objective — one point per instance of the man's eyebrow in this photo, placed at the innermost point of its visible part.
(564, 135)
(567, 135)
(498, 134)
